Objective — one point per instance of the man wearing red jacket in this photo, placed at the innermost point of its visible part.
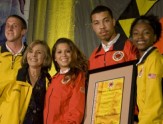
(114, 47)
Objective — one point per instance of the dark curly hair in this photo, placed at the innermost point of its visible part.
(78, 63)
(152, 20)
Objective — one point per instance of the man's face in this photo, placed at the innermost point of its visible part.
(14, 29)
(103, 25)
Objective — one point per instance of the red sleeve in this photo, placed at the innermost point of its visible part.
(131, 51)
(159, 43)
(92, 61)
(77, 103)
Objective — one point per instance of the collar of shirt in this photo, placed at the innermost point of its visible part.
(65, 71)
(15, 54)
(107, 47)
(145, 53)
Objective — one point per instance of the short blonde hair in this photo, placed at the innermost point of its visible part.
(48, 59)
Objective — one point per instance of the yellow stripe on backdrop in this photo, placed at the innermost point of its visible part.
(60, 21)
(145, 5)
(39, 19)
(53, 19)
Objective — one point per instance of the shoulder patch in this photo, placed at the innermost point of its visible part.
(118, 55)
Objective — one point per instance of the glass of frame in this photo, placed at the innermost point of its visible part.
(110, 94)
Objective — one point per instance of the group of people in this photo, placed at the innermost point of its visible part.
(30, 95)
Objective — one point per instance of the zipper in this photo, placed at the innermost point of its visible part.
(48, 106)
(105, 59)
(13, 61)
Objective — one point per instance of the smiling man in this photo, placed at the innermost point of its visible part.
(114, 47)
(12, 50)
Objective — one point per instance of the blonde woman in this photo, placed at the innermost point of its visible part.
(22, 101)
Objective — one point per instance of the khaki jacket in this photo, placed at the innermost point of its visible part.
(14, 100)
(149, 88)
(15, 96)
(9, 64)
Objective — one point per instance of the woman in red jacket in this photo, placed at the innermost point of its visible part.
(65, 97)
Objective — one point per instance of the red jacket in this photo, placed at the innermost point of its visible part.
(159, 43)
(121, 51)
(65, 103)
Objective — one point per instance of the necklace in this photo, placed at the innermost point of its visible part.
(33, 78)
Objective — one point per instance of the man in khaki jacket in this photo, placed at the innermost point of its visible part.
(10, 55)
(12, 50)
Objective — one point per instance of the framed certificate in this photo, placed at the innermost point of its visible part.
(110, 94)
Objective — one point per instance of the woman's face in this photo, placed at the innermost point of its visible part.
(143, 36)
(63, 56)
(36, 56)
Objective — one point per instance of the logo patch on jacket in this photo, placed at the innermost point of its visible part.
(66, 80)
(140, 73)
(152, 76)
(118, 55)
